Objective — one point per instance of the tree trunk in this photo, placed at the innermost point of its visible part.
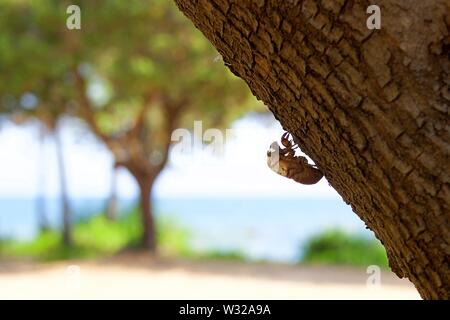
(112, 206)
(67, 238)
(42, 173)
(370, 107)
(149, 233)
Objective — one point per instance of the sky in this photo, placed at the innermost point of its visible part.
(239, 170)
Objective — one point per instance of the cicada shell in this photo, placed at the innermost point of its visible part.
(287, 164)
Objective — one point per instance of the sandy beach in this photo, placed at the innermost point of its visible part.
(139, 276)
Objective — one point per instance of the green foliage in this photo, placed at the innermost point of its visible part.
(95, 237)
(99, 237)
(341, 248)
(103, 236)
(173, 240)
(33, 60)
(125, 50)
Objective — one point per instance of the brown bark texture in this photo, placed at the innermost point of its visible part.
(370, 107)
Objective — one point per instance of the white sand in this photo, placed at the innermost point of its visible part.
(137, 276)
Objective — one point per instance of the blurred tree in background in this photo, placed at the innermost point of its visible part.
(35, 82)
(134, 73)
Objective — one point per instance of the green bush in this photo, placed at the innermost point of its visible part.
(98, 236)
(229, 255)
(341, 248)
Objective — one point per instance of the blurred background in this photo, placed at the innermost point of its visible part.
(127, 142)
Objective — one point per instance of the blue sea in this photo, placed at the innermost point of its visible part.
(273, 229)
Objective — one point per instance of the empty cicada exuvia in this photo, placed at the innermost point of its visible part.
(284, 162)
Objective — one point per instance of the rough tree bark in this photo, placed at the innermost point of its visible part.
(370, 107)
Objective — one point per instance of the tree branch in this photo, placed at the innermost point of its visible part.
(87, 112)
